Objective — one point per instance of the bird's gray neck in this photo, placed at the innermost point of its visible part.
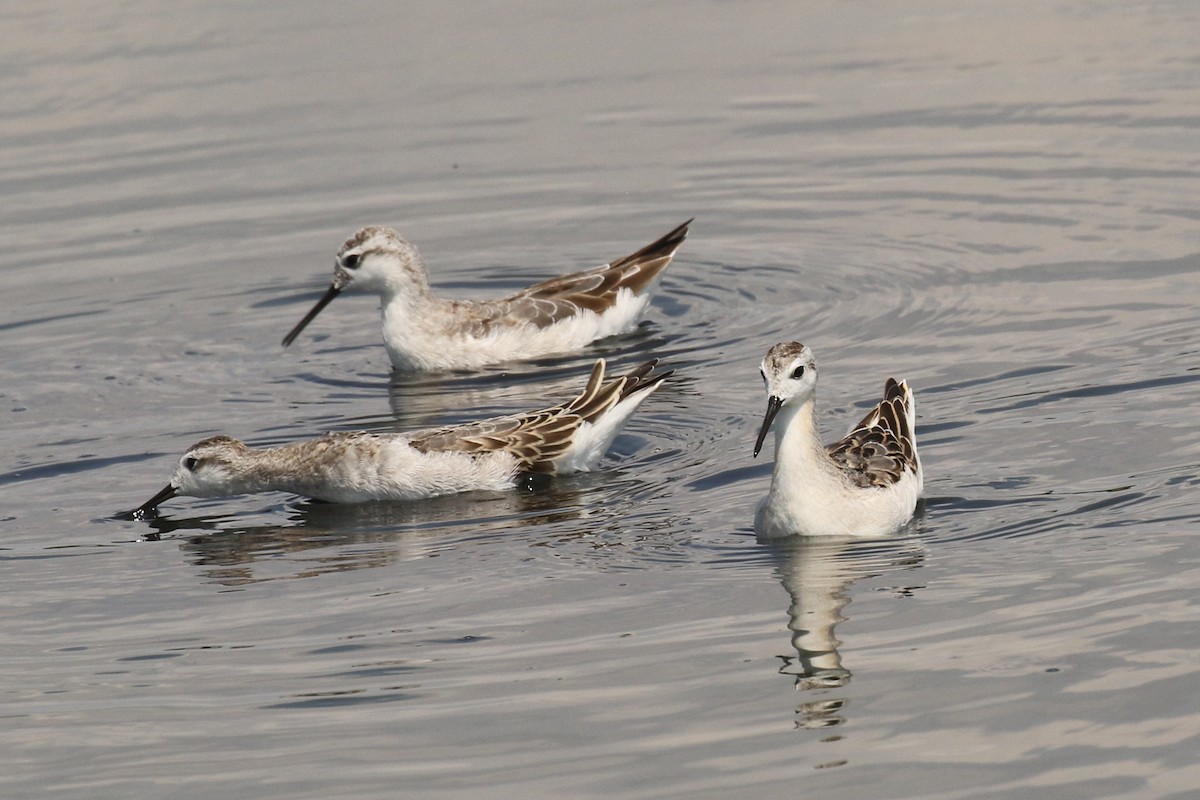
(297, 468)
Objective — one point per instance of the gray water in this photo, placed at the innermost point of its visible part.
(996, 201)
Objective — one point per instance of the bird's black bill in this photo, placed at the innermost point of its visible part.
(147, 509)
(330, 293)
(773, 406)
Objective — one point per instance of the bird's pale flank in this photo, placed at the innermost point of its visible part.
(866, 484)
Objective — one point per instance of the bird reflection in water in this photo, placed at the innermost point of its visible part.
(321, 538)
(817, 574)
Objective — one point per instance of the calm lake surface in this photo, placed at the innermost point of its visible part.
(999, 202)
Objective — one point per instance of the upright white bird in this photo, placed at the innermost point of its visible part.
(866, 484)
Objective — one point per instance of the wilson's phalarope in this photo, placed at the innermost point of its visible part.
(866, 484)
(425, 332)
(360, 467)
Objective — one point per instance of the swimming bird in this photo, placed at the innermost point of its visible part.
(360, 467)
(424, 332)
(866, 484)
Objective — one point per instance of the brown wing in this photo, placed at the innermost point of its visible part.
(551, 301)
(880, 447)
(538, 438)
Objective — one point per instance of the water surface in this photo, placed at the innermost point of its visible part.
(997, 203)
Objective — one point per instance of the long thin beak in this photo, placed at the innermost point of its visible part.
(146, 508)
(773, 406)
(330, 293)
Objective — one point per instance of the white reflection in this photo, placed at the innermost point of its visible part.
(818, 574)
(321, 538)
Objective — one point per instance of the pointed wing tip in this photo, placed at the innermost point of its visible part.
(644, 378)
(894, 387)
(676, 237)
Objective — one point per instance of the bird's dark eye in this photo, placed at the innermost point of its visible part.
(350, 261)
(189, 463)
(798, 373)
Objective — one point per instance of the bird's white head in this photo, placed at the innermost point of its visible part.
(789, 372)
(210, 468)
(376, 259)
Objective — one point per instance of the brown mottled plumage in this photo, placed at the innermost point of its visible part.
(878, 450)
(538, 438)
(558, 299)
